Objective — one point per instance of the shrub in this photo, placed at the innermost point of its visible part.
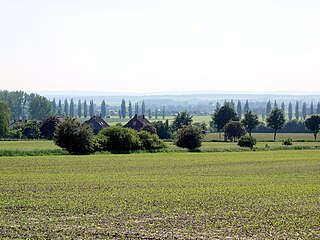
(74, 136)
(234, 129)
(150, 141)
(48, 127)
(189, 137)
(247, 141)
(117, 138)
(287, 142)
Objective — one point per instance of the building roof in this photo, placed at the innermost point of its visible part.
(97, 123)
(137, 122)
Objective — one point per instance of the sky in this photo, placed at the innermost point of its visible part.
(146, 46)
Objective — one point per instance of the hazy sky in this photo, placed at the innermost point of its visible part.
(157, 46)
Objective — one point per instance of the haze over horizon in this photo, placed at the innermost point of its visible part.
(160, 46)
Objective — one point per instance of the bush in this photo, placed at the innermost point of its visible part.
(189, 137)
(74, 136)
(117, 138)
(247, 141)
(287, 142)
(234, 129)
(150, 141)
(48, 127)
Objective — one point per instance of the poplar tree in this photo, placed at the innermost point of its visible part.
(136, 108)
(318, 108)
(143, 108)
(103, 109)
(91, 108)
(123, 109)
(156, 113)
(297, 114)
(71, 108)
(85, 109)
(275, 105)
(268, 108)
(59, 108)
(79, 108)
(130, 110)
(290, 111)
(283, 107)
(163, 112)
(54, 107)
(304, 110)
(239, 109)
(4, 119)
(149, 114)
(246, 107)
(311, 108)
(66, 107)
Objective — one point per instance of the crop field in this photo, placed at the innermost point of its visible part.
(248, 195)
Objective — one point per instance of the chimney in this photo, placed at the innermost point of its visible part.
(135, 115)
(142, 116)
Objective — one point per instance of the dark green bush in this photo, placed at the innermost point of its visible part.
(150, 141)
(287, 142)
(247, 141)
(74, 136)
(189, 137)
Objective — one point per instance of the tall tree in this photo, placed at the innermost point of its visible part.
(276, 120)
(103, 109)
(246, 106)
(66, 107)
(123, 110)
(318, 108)
(268, 108)
(313, 124)
(250, 121)
(283, 107)
(54, 107)
(297, 113)
(239, 109)
(275, 105)
(59, 108)
(79, 109)
(130, 110)
(163, 112)
(234, 129)
(304, 110)
(143, 108)
(311, 108)
(156, 113)
(223, 115)
(136, 108)
(85, 109)
(290, 111)
(4, 119)
(91, 108)
(72, 113)
(39, 107)
(182, 119)
(232, 104)
(149, 113)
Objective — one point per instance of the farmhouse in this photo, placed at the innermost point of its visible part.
(97, 124)
(137, 122)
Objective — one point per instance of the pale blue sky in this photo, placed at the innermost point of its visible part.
(158, 46)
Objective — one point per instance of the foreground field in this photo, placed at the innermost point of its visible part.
(273, 194)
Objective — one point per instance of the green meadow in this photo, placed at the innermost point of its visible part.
(247, 195)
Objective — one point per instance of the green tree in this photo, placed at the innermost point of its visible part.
(250, 121)
(85, 109)
(239, 109)
(276, 120)
(247, 141)
(48, 126)
(4, 119)
(74, 136)
(31, 130)
(290, 111)
(223, 115)
(189, 137)
(275, 104)
(149, 113)
(311, 109)
(59, 108)
(234, 130)
(130, 110)
(246, 106)
(182, 119)
(136, 108)
(163, 129)
(66, 107)
(283, 107)
(313, 124)
(297, 113)
(39, 107)
(103, 109)
(91, 108)
(163, 112)
(72, 110)
(304, 110)
(268, 108)
(318, 108)
(79, 109)
(123, 110)
(54, 107)
(156, 113)
(143, 108)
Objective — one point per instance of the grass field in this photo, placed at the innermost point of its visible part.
(264, 195)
